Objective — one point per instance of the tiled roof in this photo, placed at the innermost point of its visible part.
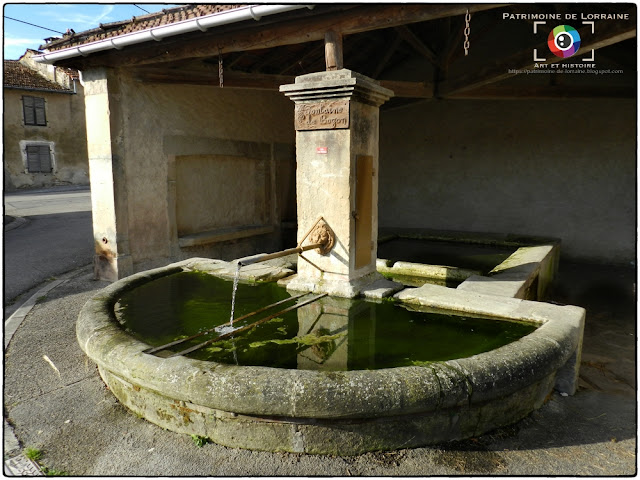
(135, 24)
(17, 75)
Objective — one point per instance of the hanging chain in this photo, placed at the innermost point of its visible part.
(467, 32)
(220, 69)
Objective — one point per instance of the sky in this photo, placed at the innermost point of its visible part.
(18, 37)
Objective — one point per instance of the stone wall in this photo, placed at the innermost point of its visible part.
(65, 132)
(239, 140)
(564, 169)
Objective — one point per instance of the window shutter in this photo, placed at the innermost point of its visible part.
(33, 158)
(39, 159)
(28, 109)
(45, 159)
(40, 111)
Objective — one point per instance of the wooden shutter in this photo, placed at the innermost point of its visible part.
(41, 118)
(39, 159)
(33, 158)
(45, 159)
(34, 111)
(29, 111)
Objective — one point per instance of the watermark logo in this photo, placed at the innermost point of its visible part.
(567, 49)
(564, 41)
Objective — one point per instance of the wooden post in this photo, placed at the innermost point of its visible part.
(333, 50)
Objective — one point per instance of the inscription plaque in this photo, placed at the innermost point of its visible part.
(329, 115)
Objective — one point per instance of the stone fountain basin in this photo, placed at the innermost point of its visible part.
(342, 413)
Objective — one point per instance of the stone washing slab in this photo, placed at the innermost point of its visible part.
(373, 286)
(411, 269)
(527, 273)
(381, 288)
(257, 272)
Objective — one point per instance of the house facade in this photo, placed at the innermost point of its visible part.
(44, 130)
(192, 146)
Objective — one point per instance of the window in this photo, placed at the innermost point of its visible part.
(34, 112)
(39, 159)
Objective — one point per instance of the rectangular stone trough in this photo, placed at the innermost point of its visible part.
(525, 274)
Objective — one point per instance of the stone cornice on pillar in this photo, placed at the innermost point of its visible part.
(336, 84)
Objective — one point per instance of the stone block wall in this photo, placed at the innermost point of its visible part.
(550, 168)
(197, 169)
(64, 132)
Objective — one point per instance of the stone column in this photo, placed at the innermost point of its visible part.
(337, 122)
(106, 170)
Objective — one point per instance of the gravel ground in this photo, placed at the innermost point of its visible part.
(68, 413)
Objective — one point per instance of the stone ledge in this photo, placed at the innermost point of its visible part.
(223, 235)
(381, 289)
(259, 272)
(526, 274)
(439, 272)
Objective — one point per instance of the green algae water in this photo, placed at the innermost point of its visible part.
(329, 334)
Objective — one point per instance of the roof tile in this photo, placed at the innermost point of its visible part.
(136, 24)
(17, 75)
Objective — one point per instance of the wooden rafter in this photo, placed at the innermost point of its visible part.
(269, 33)
(418, 45)
(239, 57)
(233, 79)
(510, 92)
(312, 54)
(266, 60)
(386, 56)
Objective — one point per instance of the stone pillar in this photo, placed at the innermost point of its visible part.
(107, 174)
(336, 121)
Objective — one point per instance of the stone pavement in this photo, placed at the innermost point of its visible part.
(56, 402)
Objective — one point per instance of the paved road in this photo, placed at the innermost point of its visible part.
(56, 237)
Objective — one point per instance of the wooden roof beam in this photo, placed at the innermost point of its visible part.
(418, 45)
(233, 79)
(333, 53)
(491, 92)
(391, 49)
(313, 53)
(268, 33)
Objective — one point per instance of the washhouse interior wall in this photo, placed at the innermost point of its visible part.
(210, 163)
(65, 134)
(556, 168)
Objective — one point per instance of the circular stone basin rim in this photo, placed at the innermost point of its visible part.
(272, 392)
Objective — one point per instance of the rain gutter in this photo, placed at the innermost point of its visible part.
(255, 12)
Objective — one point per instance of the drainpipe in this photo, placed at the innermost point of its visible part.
(255, 12)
